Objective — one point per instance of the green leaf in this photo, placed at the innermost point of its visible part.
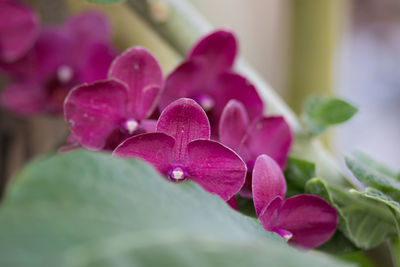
(365, 222)
(375, 194)
(321, 112)
(379, 167)
(91, 209)
(105, 2)
(370, 176)
(297, 173)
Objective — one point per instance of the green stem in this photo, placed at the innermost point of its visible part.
(181, 25)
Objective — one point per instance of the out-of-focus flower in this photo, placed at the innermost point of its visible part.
(264, 135)
(62, 57)
(181, 149)
(104, 113)
(206, 77)
(19, 28)
(306, 221)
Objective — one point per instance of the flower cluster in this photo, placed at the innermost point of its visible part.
(203, 122)
(211, 130)
(45, 62)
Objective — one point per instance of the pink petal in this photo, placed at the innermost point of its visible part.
(148, 126)
(268, 182)
(233, 124)
(19, 29)
(232, 203)
(185, 81)
(24, 98)
(185, 121)
(138, 69)
(233, 86)
(94, 111)
(310, 219)
(96, 62)
(42, 60)
(218, 49)
(271, 136)
(88, 27)
(216, 168)
(84, 30)
(71, 144)
(270, 213)
(155, 148)
(150, 96)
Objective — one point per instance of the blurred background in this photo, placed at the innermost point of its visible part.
(346, 48)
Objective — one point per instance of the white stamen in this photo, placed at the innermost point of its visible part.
(65, 73)
(287, 237)
(131, 125)
(177, 173)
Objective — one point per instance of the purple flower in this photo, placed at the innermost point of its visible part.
(19, 28)
(62, 57)
(181, 149)
(306, 221)
(264, 135)
(206, 77)
(104, 113)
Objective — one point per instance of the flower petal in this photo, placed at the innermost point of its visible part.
(216, 168)
(233, 86)
(148, 126)
(150, 98)
(138, 69)
(24, 98)
(84, 30)
(184, 81)
(271, 136)
(94, 111)
(219, 49)
(233, 124)
(310, 219)
(19, 29)
(155, 148)
(96, 62)
(185, 121)
(269, 214)
(268, 182)
(232, 203)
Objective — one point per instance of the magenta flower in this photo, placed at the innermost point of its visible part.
(306, 221)
(62, 57)
(19, 28)
(264, 135)
(206, 77)
(104, 113)
(181, 149)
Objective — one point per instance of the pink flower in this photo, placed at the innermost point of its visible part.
(306, 221)
(206, 76)
(264, 135)
(104, 113)
(62, 57)
(181, 149)
(19, 28)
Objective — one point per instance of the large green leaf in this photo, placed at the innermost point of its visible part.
(297, 173)
(321, 112)
(91, 209)
(377, 195)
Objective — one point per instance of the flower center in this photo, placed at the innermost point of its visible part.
(177, 174)
(131, 125)
(206, 102)
(65, 73)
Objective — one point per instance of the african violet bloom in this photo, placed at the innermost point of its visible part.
(19, 28)
(181, 149)
(206, 77)
(104, 113)
(306, 221)
(62, 57)
(264, 135)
